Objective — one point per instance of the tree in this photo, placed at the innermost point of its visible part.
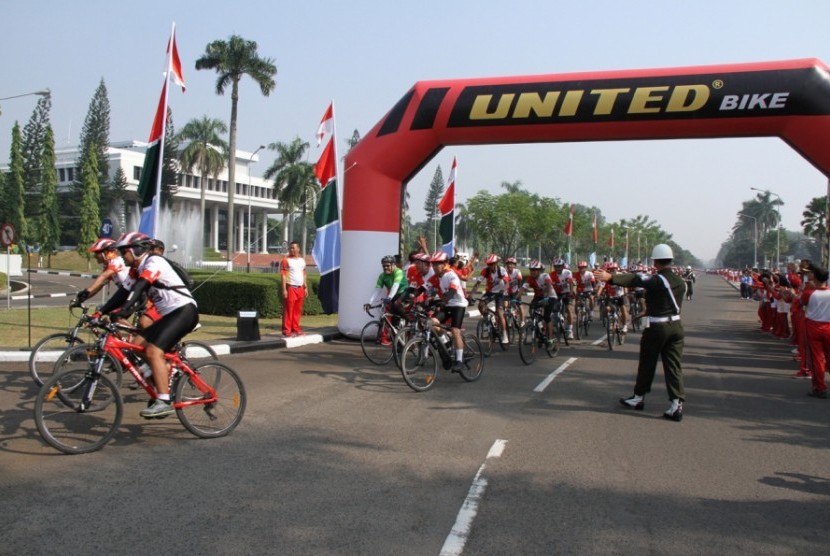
(14, 199)
(206, 151)
(353, 140)
(434, 194)
(90, 219)
(170, 163)
(233, 59)
(48, 223)
(119, 188)
(34, 138)
(95, 138)
(293, 178)
(815, 224)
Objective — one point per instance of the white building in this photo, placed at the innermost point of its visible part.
(254, 196)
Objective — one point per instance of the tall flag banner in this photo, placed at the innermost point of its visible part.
(326, 250)
(624, 261)
(592, 258)
(447, 209)
(149, 185)
(611, 239)
(569, 226)
(594, 227)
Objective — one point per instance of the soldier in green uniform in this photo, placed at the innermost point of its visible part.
(663, 339)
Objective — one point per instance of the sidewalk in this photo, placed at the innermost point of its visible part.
(222, 347)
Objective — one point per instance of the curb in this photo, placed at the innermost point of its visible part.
(227, 348)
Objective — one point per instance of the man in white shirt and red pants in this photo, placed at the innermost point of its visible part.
(294, 290)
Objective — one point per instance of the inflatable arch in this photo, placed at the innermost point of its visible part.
(788, 99)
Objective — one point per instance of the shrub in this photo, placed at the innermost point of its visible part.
(226, 293)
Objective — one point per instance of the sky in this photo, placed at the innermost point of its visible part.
(364, 55)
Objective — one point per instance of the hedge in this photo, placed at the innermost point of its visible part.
(226, 293)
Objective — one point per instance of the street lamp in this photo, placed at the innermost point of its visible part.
(778, 228)
(250, 161)
(43, 93)
(755, 253)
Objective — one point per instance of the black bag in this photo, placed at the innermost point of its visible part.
(183, 275)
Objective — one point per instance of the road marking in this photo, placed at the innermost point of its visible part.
(598, 341)
(545, 383)
(454, 544)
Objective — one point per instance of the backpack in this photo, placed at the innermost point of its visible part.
(183, 275)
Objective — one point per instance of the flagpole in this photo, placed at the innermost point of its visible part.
(337, 173)
(157, 197)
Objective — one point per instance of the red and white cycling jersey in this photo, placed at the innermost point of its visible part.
(586, 282)
(563, 282)
(122, 273)
(496, 282)
(611, 290)
(449, 281)
(514, 281)
(155, 269)
(541, 287)
(415, 279)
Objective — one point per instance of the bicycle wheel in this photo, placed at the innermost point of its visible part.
(586, 323)
(561, 334)
(399, 342)
(376, 346)
(61, 422)
(217, 418)
(619, 334)
(484, 332)
(84, 357)
(194, 349)
(419, 364)
(46, 352)
(473, 359)
(528, 343)
(609, 330)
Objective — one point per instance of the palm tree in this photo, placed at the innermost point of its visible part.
(207, 152)
(232, 59)
(293, 178)
(815, 224)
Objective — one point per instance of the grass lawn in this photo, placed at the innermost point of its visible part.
(14, 326)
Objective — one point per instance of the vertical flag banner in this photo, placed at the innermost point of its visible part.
(569, 226)
(611, 240)
(326, 250)
(592, 258)
(624, 262)
(447, 209)
(149, 185)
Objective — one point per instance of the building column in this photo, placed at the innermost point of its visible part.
(240, 230)
(214, 227)
(264, 234)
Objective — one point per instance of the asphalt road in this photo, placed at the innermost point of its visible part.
(337, 456)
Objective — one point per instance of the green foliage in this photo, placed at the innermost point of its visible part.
(434, 194)
(14, 201)
(90, 198)
(170, 166)
(34, 168)
(48, 223)
(227, 293)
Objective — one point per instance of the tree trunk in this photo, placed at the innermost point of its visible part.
(232, 172)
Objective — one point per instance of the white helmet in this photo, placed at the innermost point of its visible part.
(661, 251)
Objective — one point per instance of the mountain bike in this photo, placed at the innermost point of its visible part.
(379, 337)
(636, 308)
(583, 315)
(559, 322)
(613, 328)
(47, 350)
(422, 354)
(79, 409)
(488, 330)
(533, 335)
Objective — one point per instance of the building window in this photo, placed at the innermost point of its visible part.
(137, 173)
(61, 175)
(70, 174)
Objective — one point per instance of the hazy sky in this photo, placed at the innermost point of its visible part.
(366, 54)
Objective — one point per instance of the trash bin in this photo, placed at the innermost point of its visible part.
(247, 325)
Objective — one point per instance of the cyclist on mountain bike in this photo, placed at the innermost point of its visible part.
(563, 283)
(113, 265)
(453, 304)
(614, 294)
(514, 284)
(585, 283)
(174, 303)
(418, 278)
(495, 278)
(544, 294)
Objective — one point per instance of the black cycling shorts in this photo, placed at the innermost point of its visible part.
(169, 329)
(454, 316)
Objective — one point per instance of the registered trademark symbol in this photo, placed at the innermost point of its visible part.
(717, 84)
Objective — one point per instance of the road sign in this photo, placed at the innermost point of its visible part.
(106, 228)
(7, 235)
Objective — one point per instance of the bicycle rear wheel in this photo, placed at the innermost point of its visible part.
(485, 334)
(84, 357)
(473, 359)
(528, 343)
(609, 330)
(217, 418)
(61, 421)
(419, 364)
(194, 349)
(376, 343)
(46, 352)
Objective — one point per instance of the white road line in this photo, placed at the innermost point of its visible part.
(454, 544)
(545, 383)
(598, 341)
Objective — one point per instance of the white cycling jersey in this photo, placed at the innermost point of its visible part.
(156, 270)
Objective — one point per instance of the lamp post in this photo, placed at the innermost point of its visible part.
(43, 93)
(777, 228)
(755, 252)
(250, 161)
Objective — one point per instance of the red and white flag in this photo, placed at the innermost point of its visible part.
(569, 227)
(611, 239)
(594, 226)
(175, 63)
(326, 124)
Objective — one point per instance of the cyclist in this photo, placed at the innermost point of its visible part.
(463, 267)
(174, 303)
(585, 283)
(495, 277)
(113, 266)
(689, 277)
(454, 304)
(418, 277)
(563, 283)
(615, 294)
(514, 283)
(544, 294)
(390, 286)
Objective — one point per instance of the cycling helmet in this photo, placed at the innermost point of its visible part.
(492, 258)
(388, 259)
(582, 264)
(138, 242)
(535, 265)
(439, 257)
(509, 260)
(558, 262)
(102, 244)
(612, 266)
